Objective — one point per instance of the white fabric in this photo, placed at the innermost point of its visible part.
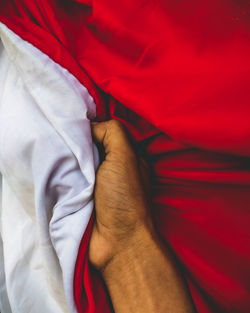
(4, 300)
(47, 163)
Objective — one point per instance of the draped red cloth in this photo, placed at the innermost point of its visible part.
(177, 74)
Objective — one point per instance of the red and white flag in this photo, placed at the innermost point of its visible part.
(176, 74)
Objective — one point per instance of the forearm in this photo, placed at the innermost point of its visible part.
(139, 272)
(143, 278)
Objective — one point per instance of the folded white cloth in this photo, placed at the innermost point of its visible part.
(4, 301)
(47, 163)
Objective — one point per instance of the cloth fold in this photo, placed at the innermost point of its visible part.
(176, 74)
(48, 166)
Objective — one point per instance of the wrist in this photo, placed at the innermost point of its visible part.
(130, 251)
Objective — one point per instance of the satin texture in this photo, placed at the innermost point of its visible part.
(176, 74)
(47, 162)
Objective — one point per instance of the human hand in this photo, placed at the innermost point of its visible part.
(120, 195)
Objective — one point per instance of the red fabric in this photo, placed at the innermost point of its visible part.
(176, 73)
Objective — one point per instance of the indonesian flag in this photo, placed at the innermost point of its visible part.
(177, 75)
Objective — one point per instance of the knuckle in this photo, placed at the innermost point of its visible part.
(116, 128)
(114, 124)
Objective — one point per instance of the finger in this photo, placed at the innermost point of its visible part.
(112, 136)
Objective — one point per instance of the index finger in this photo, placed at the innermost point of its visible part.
(112, 136)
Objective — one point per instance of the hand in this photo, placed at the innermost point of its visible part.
(120, 195)
(139, 271)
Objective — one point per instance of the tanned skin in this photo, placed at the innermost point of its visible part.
(140, 273)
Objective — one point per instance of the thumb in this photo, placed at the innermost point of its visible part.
(112, 136)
